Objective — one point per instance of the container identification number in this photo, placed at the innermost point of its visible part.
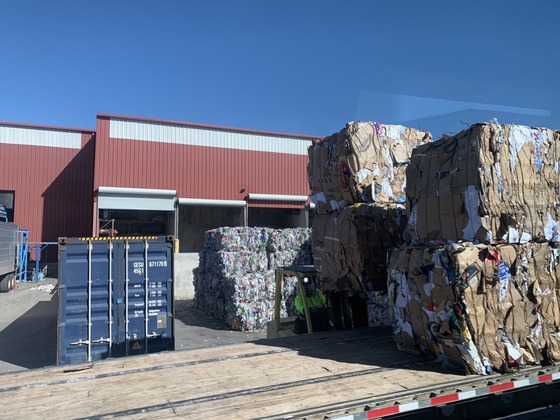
(157, 263)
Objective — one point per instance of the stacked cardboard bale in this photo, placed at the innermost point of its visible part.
(478, 285)
(357, 180)
(489, 308)
(489, 183)
(349, 246)
(234, 280)
(363, 163)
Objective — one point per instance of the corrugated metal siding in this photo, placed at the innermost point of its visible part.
(27, 136)
(53, 185)
(200, 171)
(196, 136)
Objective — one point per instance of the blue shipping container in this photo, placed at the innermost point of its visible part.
(115, 297)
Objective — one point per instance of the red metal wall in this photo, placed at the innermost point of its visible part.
(53, 186)
(196, 171)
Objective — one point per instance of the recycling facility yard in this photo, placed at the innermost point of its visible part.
(28, 327)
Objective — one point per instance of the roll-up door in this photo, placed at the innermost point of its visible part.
(115, 198)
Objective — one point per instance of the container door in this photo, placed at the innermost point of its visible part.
(85, 312)
(115, 298)
(145, 297)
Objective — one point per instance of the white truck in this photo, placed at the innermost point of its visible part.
(8, 252)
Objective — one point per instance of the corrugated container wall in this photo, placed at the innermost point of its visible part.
(115, 298)
(50, 172)
(197, 161)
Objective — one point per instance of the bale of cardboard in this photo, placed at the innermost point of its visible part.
(349, 246)
(482, 308)
(490, 183)
(357, 181)
(363, 163)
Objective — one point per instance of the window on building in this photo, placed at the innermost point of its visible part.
(7, 199)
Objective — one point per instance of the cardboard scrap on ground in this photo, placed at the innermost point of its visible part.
(481, 307)
(490, 183)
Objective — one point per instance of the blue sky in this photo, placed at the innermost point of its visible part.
(292, 66)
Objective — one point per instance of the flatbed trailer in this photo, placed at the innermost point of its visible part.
(346, 374)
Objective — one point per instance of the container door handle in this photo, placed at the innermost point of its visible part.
(81, 342)
(101, 340)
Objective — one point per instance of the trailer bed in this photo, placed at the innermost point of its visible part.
(311, 376)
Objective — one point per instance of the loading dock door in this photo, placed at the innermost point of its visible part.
(135, 199)
(136, 211)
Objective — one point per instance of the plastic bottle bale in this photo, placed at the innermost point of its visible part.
(236, 238)
(379, 312)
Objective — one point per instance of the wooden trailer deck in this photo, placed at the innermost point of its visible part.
(304, 376)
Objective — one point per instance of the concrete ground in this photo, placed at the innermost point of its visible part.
(28, 327)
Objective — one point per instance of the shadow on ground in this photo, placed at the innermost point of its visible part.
(30, 340)
(196, 329)
(186, 312)
(373, 346)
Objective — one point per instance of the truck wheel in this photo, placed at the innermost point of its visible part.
(5, 284)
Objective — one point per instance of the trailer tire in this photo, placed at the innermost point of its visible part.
(5, 283)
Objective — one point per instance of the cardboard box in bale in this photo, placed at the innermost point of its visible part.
(480, 307)
(489, 183)
(349, 246)
(363, 163)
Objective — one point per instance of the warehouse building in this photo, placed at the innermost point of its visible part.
(46, 179)
(136, 176)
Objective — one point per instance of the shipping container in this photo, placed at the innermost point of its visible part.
(115, 297)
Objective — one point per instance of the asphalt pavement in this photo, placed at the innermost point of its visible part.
(28, 327)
